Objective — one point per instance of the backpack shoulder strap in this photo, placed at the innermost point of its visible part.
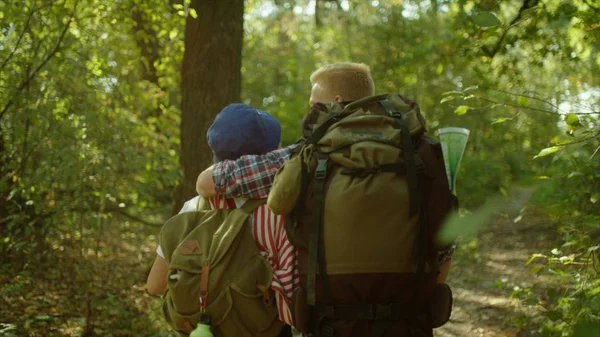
(230, 229)
(203, 204)
(252, 204)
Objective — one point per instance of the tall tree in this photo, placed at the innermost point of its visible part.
(210, 79)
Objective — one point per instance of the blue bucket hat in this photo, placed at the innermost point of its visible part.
(240, 129)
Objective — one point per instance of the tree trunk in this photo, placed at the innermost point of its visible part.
(211, 79)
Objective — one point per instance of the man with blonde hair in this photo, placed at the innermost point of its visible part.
(341, 82)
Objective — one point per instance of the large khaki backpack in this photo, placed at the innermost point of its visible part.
(213, 257)
(364, 196)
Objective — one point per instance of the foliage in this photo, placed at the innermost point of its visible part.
(89, 120)
(86, 135)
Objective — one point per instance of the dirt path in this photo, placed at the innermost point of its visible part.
(485, 273)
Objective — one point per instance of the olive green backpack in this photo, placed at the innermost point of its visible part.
(364, 196)
(213, 259)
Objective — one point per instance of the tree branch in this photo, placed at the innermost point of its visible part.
(595, 152)
(530, 108)
(582, 140)
(517, 106)
(135, 218)
(118, 211)
(41, 65)
(523, 95)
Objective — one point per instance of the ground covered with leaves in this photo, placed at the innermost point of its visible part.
(487, 274)
(97, 292)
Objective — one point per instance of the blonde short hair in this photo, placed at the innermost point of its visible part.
(350, 80)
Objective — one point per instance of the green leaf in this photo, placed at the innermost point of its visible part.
(594, 198)
(503, 191)
(593, 292)
(178, 6)
(529, 11)
(548, 151)
(453, 92)
(439, 69)
(448, 98)
(5, 327)
(173, 34)
(462, 109)
(193, 13)
(501, 120)
(572, 120)
(533, 257)
(574, 174)
(45, 318)
(523, 101)
(486, 19)
(468, 225)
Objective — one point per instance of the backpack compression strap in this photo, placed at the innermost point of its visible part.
(418, 197)
(408, 151)
(316, 242)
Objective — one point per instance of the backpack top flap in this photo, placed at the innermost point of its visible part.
(205, 234)
(225, 235)
(323, 116)
(410, 111)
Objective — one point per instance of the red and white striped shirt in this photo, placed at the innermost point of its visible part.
(268, 231)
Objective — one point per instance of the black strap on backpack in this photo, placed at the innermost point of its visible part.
(316, 242)
(418, 197)
(408, 151)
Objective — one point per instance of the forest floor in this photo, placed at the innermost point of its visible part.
(100, 291)
(488, 270)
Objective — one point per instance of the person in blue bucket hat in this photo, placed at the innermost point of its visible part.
(239, 130)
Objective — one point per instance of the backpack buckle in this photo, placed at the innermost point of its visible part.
(321, 168)
(327, 330)
(420, 165)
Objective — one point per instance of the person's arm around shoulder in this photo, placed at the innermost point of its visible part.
(250, 176)
(205, 185)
